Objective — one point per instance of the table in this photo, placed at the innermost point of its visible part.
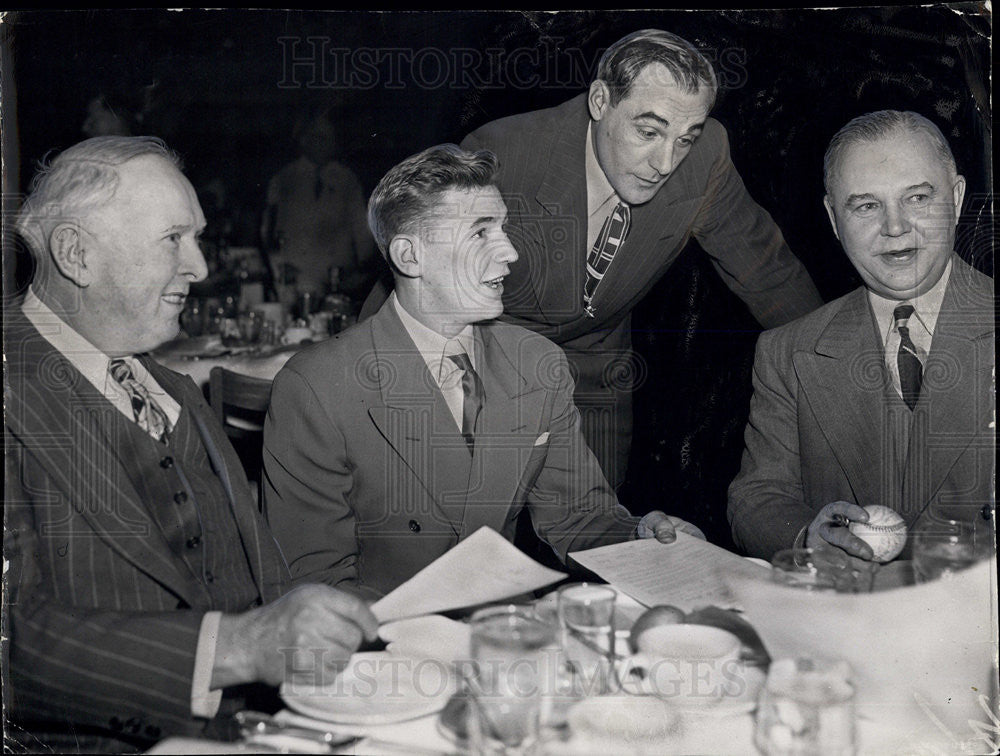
(195, 357)
(878, 732)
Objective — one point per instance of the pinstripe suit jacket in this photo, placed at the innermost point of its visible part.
(543, 180)
(824, 414)
(103, 618)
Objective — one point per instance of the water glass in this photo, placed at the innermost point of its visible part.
(587, 637)
(940, 549)
(512, 656)
(250, 324)
(806, 709)
(822, 570)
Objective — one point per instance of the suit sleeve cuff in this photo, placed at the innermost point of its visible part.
(205, 702)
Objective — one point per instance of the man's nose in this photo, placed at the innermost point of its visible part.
(896, 222)
(662, 160)
(192, 263)
(504, 251)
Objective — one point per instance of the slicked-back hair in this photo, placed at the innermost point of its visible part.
(78, 180)
(409, 191)
(871, 127)
(626, 58)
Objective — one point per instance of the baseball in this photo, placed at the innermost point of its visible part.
(885, 532)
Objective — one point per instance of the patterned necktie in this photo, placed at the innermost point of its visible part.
(146, 412)
(609, 241)
(472, 388)
(907, 359)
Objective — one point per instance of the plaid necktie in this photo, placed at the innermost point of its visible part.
(146, 412)
(472, 388)
(609, 241)
(908, 358)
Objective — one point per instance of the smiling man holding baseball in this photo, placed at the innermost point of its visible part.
(882, 397)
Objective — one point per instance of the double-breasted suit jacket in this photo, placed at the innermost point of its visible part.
(368, 478)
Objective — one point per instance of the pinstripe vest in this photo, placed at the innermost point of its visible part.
(191, 509)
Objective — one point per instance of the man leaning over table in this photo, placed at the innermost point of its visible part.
(142, 583)
(884, 395)
(385, 446)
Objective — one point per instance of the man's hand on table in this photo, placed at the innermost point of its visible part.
(310, 631)
(664, 527)
(829, 528)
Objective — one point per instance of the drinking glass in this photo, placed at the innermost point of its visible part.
(511, 651)
(250, 324)
(587, 637)
(822, 570)
(940, 549)
(806, 709)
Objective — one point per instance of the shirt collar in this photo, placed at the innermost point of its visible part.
(433, 347)
(599, 189)
(926, 307)
(81, 354)
(90, 361)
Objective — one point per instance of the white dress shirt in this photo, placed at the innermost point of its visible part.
(921, 323)
(601, 196)
(435, 350)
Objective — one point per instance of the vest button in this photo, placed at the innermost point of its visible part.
(180, 497)
(209, 577)
(167, 462)
(194, 542)
(414, 526)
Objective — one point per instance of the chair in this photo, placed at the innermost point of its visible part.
(240, 403)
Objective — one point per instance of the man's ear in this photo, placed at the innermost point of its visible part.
(828, 204)
(67, 250)
(404, 255)
(598, 99)
(958, 192)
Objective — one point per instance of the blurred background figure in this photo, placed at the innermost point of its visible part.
(315, 217)
(106, 119)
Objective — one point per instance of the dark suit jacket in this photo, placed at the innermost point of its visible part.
(98, 637)
(368, 479)
(824, 415)
(543, 179)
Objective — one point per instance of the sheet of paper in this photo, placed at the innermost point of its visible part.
(484, 567)
(688, 573)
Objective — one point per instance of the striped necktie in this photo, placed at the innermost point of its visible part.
(609, 241)
(907, 358)
(472, 388)
(145, 411)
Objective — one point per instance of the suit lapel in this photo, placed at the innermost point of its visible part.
(64, 423)
(559, 243)
(411, 414)
(844, 381)
(955, 399)
(507, 429)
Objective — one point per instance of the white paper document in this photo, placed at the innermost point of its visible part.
(689, 573)
(484, 567)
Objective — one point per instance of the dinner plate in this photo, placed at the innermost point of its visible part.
(375, 688)
(743, 686)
